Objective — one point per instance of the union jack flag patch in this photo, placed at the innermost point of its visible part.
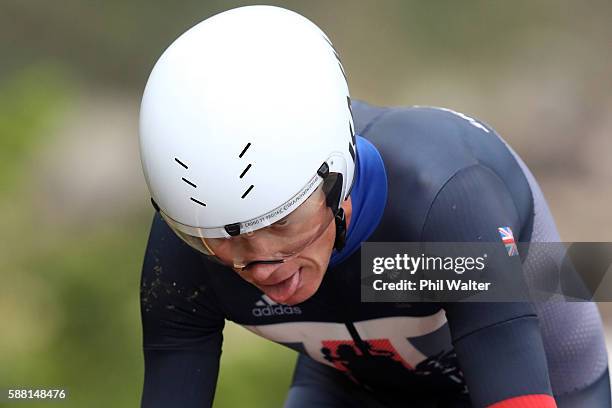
(508, 240)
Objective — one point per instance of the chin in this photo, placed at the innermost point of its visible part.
(310, 284)
(300, 296)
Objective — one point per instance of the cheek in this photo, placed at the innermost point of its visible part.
(320, 250)
(313, 274)
(315, 259)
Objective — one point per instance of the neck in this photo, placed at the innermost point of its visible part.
(348, 211)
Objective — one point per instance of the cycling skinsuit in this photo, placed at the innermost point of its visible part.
(423, 175)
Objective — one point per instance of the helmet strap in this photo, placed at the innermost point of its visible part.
(340, 220)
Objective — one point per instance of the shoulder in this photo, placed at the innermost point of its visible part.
(175, 278)
(429, 143)
(426, 132)
(423, 148)
(416, 117)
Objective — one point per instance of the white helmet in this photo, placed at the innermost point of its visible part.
(242, 118)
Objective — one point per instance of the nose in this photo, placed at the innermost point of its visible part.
(260, 272)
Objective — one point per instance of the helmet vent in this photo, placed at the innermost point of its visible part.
(245, 170)
(181, 163)
(247, 191)
(348, 102)
(244, 150)
(197, 201)
(337, 57)
(189, 182)
(352, 151)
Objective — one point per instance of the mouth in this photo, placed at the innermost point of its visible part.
(283, 290)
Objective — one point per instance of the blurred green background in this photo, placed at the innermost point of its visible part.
(74, 203)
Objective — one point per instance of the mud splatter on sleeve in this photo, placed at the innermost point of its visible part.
(182, 328)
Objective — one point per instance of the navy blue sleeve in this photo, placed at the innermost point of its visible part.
(182, 329)
(499, 345)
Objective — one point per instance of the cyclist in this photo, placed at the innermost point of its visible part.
(266, 179)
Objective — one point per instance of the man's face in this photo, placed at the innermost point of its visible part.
(297, 279)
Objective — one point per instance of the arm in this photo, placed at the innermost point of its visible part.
(182, 328)
(499, 345)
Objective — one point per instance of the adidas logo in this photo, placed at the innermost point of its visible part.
(267, 307)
